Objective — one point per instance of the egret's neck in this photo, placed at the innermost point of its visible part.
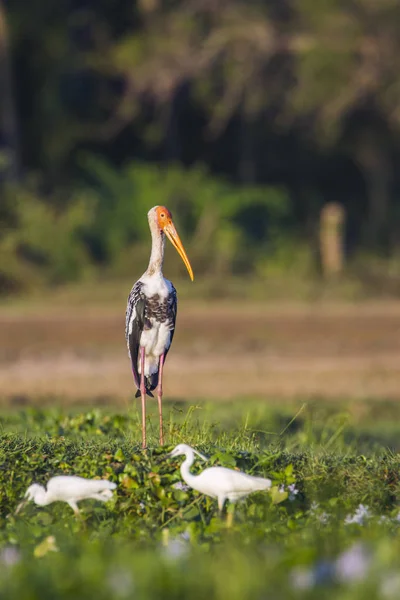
(157, 251)
(41, 497)
(185, 468)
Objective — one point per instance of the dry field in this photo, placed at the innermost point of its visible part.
(220, 351)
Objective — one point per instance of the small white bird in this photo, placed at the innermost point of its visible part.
(69, 489)
(218, 482)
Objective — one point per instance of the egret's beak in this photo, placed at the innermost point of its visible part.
(200, 454)
(171, 455)
(172, 235)
(20, 506)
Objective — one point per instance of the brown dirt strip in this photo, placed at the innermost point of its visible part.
(219, 351)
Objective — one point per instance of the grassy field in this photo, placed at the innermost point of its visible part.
(306, 394)
(308, 538)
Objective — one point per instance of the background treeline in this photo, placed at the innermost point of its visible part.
(245, 117)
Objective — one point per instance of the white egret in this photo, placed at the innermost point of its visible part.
(218, 482)
(69, 489)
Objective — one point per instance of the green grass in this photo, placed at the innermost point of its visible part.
(155, 541)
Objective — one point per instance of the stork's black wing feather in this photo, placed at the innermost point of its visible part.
(138, 313)
(172, 312)
(134, 324)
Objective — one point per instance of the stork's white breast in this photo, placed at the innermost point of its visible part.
(157, 339)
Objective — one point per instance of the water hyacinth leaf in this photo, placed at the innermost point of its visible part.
(278, 495)
(47, 545)
(160, 493)
(129, 469)
(214, 525)
(289, 470)
(128, 483)
(119, 456)
(224, 459)
(154, 478)
(180, 496)
(45, 518)
(191, 513)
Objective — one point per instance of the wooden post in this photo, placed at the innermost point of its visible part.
(331, 239)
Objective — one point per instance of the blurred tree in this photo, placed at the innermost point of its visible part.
(293, 92)
(9, 143)
(224, 55)
(316, 66)
(348, 84)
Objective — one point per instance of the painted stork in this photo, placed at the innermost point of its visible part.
(151, 314)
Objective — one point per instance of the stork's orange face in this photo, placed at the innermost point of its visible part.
(166, 224)
(164, 217)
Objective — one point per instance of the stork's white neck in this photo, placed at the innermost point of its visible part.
(157, 251)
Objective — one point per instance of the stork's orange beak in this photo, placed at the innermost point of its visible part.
(172, 234)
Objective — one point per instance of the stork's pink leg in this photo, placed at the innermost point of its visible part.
(159, 397)
(143, 394)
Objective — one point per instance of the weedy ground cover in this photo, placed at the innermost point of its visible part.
(329, 528)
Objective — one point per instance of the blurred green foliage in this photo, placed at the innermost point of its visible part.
(45, 239)
(295, 94)
(40, 242)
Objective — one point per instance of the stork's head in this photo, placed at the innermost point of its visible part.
(160, 218)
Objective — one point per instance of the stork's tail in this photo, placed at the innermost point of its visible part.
(151, 382)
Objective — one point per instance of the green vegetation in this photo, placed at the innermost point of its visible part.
(105, 226)
(233, 235)
(307, 539)
(246, 118)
